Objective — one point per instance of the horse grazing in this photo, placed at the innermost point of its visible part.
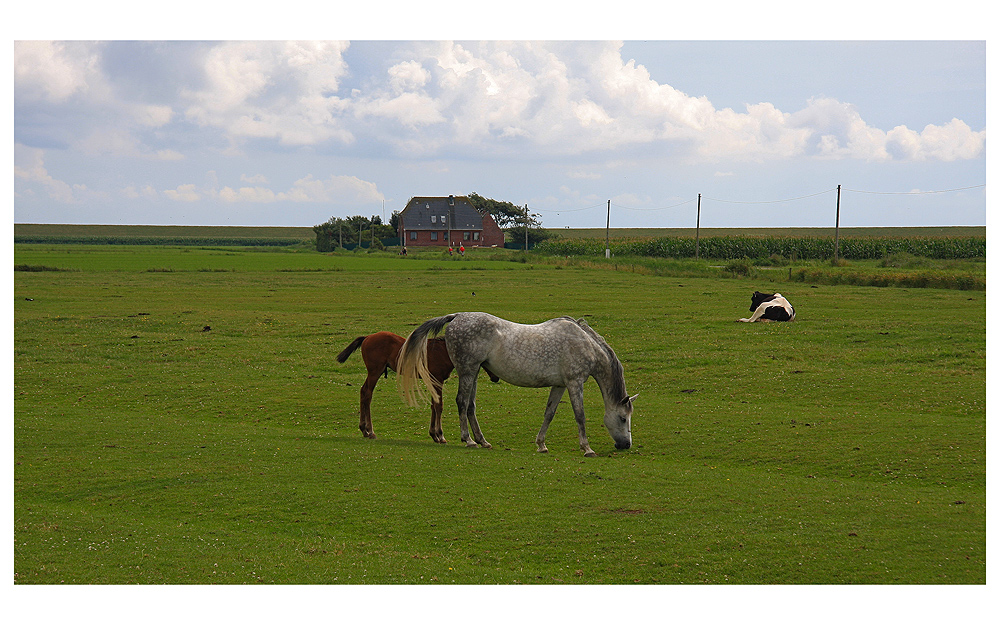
(769, 307)
(561, 353)
(380, 352)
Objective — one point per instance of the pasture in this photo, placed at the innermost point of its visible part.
(179, 417)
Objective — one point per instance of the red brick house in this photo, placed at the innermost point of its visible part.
(447, 221)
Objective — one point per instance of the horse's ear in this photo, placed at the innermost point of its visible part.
(632, 398)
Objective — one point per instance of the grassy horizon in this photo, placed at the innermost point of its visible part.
(306, 232)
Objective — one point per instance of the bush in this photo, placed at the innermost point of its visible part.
(742, 268)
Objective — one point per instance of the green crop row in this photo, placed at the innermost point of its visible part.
(797, 248)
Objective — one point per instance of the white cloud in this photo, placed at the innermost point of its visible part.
(167, 155)
(272, 90)
(567, 98)
(29, 167)
(490, 99)
(337, 190)
(183, 193)
(408, 76)
(583, 175)
(951, 142)
(247, 194)
(133, 193)
(53, 71)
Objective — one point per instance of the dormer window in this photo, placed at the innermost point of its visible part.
(433, 219)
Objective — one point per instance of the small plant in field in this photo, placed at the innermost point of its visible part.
(904, 260)
(839, 262)
(742, 267)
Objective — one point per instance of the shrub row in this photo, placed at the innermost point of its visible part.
(920, 279)
(801, 248)
(54, 239)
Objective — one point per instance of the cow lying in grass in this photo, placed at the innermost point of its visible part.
(769, 307)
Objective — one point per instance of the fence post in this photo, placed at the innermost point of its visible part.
(697, 228)
(836, 231)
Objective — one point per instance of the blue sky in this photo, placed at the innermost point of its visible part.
(251, 132)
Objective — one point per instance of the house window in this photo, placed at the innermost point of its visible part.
(434, 236)
(413, 236)
(434, 219)
(475, 236)
(465, 235)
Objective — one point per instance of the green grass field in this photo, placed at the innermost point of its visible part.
(847, 447)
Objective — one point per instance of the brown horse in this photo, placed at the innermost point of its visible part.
(380, 352)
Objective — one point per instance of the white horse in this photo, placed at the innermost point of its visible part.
(560, 353)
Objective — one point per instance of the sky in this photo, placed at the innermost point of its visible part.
(291, 133)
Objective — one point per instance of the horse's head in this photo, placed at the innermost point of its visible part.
(618, 420)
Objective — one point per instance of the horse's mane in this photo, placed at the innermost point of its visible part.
(617, 371)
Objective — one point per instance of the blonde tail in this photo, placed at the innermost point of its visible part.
(412, 364)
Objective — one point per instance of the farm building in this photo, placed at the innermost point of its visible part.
(447, 221)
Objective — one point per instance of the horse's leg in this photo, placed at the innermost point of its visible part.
(436, 408)
(477, 434)
(550, 411)
(367, 390)
(462, 401)
(576, 400)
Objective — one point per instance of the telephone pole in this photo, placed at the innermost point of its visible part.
(525, 227)
(836, 231)
(697, 228)
(607, 234)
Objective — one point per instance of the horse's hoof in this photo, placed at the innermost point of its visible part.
(590, 454)
(487, 445)
(543, 450)
(471, 444)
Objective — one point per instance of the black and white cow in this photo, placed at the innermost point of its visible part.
(769, 307)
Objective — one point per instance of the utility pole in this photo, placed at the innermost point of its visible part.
(525, 227)
(607, 234)
(697, 228)
(836, 232)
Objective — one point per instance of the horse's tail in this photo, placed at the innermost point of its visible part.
(412, 365)
(356, 343)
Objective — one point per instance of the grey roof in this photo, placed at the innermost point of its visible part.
(461, 216)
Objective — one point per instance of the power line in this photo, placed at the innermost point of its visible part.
(792, 199)
(663, 208)
(568, 210)
(975, 186)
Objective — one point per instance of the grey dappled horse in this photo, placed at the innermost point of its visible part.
(561, 353)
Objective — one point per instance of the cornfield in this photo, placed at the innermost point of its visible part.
(795, 248)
